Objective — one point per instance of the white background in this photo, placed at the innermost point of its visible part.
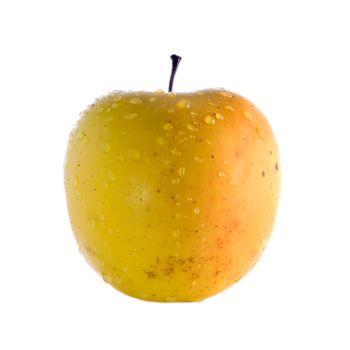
(291, 58)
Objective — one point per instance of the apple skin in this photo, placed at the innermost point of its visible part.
(172, 197)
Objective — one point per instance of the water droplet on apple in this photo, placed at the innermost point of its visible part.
(171, 110)
(130, 116)
(168, 126)
(107, 278)
(193, 113)
(225, 93)
(117, 98)
(221, 173)
(229, 108)
(161, 141)
(191, 127)
(199, 160)
(261, 133)
(263, 244)
(135, 101)
(75, 182)
(181, 171)
(182, 104)
(209, 120)
(175, 181)
(176, 152)
(197, 211)
(247, 115)
(219, 116)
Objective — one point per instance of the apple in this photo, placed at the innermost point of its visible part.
(172, 196)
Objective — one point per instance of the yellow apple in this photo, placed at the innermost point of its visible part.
(172, 197)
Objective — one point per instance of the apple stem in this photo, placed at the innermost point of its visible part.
(175, 63)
